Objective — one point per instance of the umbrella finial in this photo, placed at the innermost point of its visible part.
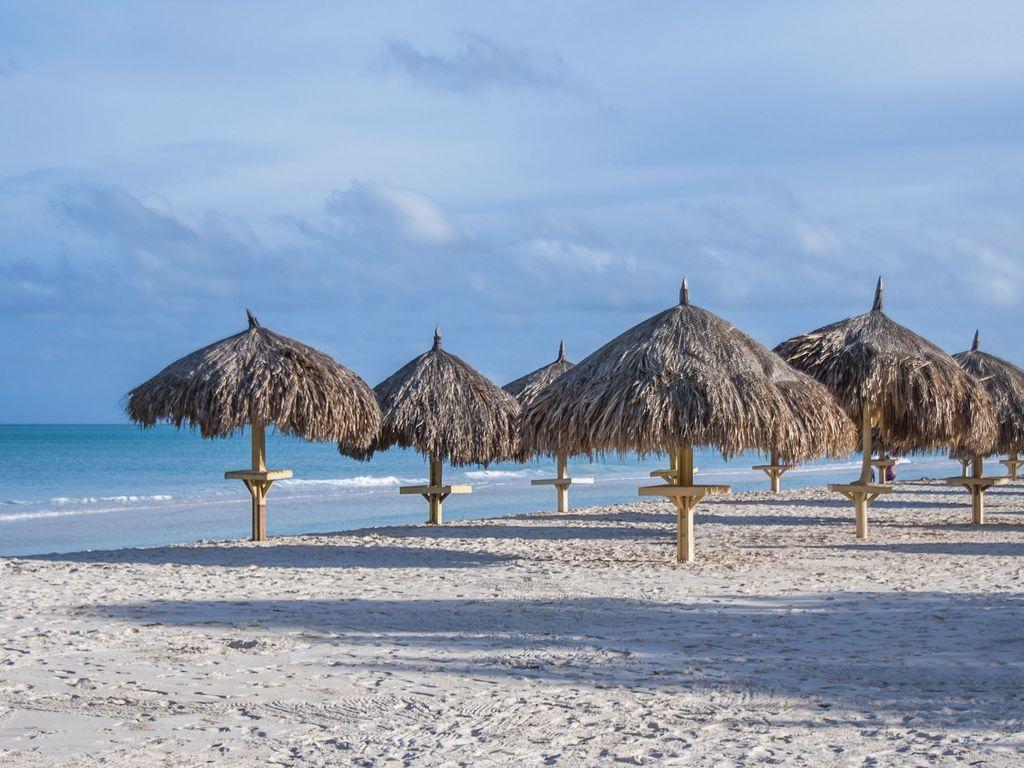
(437, 337)
(684, 293)
(977, 341)
(879, 289)
(253, 322)
(561, 350)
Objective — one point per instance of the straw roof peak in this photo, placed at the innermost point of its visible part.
(977, 341)
(527, 387)
(879, 290)
(685, 375)
(259, 375)
(439, 405)
(684, 293)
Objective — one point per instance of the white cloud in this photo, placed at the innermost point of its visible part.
(479, 64)
(817, 240)
(997, 277)
(393, 210)
(546, 252)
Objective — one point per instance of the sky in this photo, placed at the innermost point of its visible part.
(519, 173)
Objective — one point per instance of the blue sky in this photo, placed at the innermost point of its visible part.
(518, 173)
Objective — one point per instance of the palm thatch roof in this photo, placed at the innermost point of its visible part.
(927, 400)
(686, 375)
(259, 374)
(526, 388)
(443, 408)
(1004, 383)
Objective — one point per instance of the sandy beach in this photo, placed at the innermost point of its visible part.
(537, 639)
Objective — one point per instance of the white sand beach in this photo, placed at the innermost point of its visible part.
(541, 639)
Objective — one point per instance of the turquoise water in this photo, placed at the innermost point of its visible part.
(69, 488)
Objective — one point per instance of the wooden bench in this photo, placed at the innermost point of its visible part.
(684, 498)
(435, 492)
(863, 495)
(258, 481)
(977, 486)
(882, 465)
(562, 482)
(774, 472)
(1012, 463)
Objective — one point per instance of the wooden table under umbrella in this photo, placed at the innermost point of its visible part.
(904, 392)
(525, 389)
(447, 411)
(258, 378)
(1004, 383)
(681, 379)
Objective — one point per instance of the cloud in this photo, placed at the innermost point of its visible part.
(119, 245)
(994, 275)
(114, 213)
(481, 64)
(541, 254)
(389, 211)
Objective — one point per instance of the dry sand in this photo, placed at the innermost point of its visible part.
(540, 639)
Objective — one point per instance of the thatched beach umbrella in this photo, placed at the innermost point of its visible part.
(680, 379)
(1004, 383)
(447, 411)
(255, 378)
(888, 378)
(525, 389)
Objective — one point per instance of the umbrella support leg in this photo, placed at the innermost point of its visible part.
(860, 508)
(774, 470)
(435, 499)
(258, 490)
(1011, 462)
(684, 529)
(258, 479)
(684, 505)
(562, 490)
(977, 506)
(978, 492)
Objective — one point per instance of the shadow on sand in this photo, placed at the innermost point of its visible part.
(934, 656)
(290, 556)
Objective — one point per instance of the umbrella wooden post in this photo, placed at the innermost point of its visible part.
(884, 461)
(864, 492)
(978, 495)
(562, 481)
(258, 479)
(435, 499)
(684, 496)
(562, 472)
(435, 492)
(1011, 463)
(976, 484)
(258, 490)
(774, 470)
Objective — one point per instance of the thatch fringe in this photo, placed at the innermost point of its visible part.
(259, 374)
(443, 408)
(1004, 383)
(928, 402)
(686, 375)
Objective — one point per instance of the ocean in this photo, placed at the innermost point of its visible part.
(67, 488)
